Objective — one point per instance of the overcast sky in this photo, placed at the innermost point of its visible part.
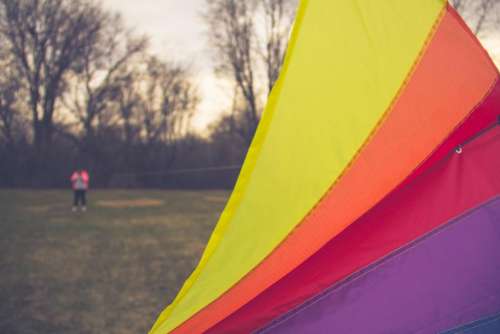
(177, 33)
(174, 25)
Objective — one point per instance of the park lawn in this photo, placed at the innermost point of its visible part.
(109, 270)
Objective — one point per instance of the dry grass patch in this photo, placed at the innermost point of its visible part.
(131, 203)
(39, 209)
(216, 199)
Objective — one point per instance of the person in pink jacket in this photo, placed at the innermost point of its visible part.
(80, 182)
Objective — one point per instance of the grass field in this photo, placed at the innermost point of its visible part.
(110, 270)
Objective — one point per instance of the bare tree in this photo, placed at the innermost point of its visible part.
(249, 39)
(46, 38)
(232, 34)
(278, 17)
(168, 102)
(105, 66)
(10, 91)
(483, 16)
(126, 116)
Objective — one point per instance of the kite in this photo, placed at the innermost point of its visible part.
(369, 198)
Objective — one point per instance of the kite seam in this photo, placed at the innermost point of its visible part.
(463, 143)
(474, 324)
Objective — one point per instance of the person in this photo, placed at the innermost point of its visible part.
(80, 183)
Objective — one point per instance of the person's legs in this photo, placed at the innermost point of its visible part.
(75, 200)
(84, 200)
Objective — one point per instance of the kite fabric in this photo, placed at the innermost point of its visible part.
(421, 118)
(371, 100)
(427, 287)
(422, 205)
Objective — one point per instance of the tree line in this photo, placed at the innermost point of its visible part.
(81, 89)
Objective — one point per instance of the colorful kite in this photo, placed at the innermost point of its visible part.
(369, 200)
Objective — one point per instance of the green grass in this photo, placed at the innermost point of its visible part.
(110, 270)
